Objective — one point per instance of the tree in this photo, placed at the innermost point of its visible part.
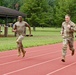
(13, 3)
(1, 2)
(43, 12)
(38, 12)
(61, 9)
(72, 10)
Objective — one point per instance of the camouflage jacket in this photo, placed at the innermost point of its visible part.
(68, 32)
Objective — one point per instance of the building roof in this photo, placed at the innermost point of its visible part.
(10, 12)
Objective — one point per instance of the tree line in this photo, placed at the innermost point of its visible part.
(43, 13)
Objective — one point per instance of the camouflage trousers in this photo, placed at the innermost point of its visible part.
(69, 42)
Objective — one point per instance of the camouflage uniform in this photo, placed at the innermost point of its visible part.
(68, 36)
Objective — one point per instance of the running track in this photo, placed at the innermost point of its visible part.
(42, 60)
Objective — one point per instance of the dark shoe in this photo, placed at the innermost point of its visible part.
(73, 52)
(63, 60)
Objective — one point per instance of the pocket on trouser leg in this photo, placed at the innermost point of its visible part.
(64, 51)
(64, 41)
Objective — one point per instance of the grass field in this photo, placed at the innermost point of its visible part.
(42, 36)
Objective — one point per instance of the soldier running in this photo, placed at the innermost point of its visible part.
(67, 32)
(19, 29)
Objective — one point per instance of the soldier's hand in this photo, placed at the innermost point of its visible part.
(69, 26)
(15, 30)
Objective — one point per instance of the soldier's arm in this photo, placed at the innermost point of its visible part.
(27, 25)
(14, 28)
(73, 28)
(62, 30)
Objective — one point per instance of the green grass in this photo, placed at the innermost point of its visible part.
(42, 36)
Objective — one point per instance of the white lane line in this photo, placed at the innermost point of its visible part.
(28, 58)
(61, 69)
(28, 52)
(32, 66)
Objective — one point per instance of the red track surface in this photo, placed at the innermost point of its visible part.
(42, 60)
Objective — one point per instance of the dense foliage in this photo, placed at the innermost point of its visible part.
(43, 12)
